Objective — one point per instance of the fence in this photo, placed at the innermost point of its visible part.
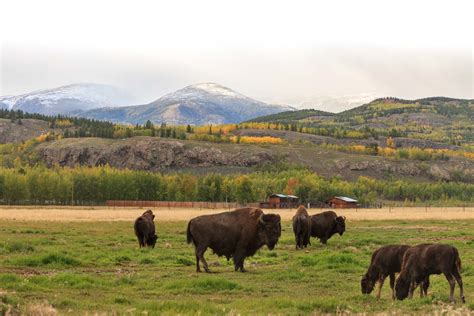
(174, 204)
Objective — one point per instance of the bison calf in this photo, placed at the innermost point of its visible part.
(145, 230)
(237, 234)
(302, 227)
(386, 261)
(326, 224)
(420, 261)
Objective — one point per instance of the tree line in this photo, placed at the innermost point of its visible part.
(94, 186)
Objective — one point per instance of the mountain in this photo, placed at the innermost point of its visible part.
(199, 104)
(62, 100)
(334, 103)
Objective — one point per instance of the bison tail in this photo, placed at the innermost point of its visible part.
(189, 237)
(299, 225)
(457, 260)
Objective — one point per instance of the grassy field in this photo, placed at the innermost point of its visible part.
(96, 266)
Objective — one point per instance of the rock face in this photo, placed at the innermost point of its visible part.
(144, 153)
(379, 167)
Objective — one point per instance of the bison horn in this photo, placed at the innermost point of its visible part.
(261, 220)
(344, 218)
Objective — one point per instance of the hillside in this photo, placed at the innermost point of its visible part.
(199, 104)
(290, 116)
(386, 139)
(437, 119)
(19, 131)
(156, 154)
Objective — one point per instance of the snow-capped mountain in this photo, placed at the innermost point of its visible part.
(62, 100)
(334, 103)
(204, 103)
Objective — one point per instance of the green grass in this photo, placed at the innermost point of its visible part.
(97, 267)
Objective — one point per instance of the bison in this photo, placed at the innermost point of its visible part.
(302, 227)
(386, 261)
(145, 230)
(326, 224)
(237, 234)
(420, 261)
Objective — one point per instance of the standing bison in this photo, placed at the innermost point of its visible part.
(386, 261)
(326, 224)
(237, 234)
(302, 227)
(145, 230)
(420, 261)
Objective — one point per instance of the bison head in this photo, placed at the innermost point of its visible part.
(149, 214)
(152, 241)
(402, 287)
(340, 224)
(269, 229)
(367, 284)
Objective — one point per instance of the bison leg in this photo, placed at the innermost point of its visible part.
(239, 263)
(140, 241)
(452, 284)
(392, 284)
(198, 268)
(200, 257)
(411, 289)
(458, 278)
(381, 280)
(306, 241)
(239, 257)
(425, 284)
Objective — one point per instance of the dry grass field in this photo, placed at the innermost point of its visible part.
(99, 213)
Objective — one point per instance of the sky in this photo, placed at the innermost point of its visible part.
(275, 51)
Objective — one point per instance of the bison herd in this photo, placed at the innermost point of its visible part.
(240, 233)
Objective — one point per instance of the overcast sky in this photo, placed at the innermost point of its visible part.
(277, 51)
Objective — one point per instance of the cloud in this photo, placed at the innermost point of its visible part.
(275, 51)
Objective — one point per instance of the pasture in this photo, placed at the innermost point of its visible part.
(93, 264)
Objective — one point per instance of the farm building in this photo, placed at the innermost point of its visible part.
(342, 202)
(281, 201)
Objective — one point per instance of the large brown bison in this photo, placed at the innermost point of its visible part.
(237, 234)
(386, 261)
(420, 261)
(302, 227)
(145, 230)
(326, 224)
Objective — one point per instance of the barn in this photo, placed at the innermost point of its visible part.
(342, 202)
(281, 201)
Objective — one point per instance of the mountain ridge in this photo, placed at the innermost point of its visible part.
(198, 104)
(64, 99)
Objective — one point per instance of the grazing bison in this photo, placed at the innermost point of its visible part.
(145, 230)
(386, 261)
(302, 227)
(326, 224)
(420, 261)
(237, 234)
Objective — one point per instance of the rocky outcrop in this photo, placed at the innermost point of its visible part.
(145, 153)
(379, 166)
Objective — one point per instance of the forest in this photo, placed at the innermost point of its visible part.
(92, 186)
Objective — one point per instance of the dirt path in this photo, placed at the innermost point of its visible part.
(67, 214)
